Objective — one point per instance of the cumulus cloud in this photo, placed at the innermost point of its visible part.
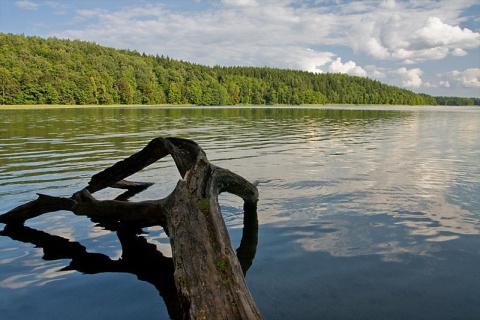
(469, 78)
(444, 84)
(402, 31)
(310, 60)
(276, 33)
(25, 4)
(413, 56)
(410, 78)
(435, 33)
(458, 52)
(270, 35)
(376, 49)
(376, 72)
(349, 67)
(407, 31)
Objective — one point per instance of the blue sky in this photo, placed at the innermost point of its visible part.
(425, 46)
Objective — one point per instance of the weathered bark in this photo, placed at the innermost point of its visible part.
(208, 276)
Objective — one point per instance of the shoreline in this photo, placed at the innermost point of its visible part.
(189, 106)
(77, 106)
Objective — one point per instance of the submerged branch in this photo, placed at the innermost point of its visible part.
(43, 204)
(208, 275)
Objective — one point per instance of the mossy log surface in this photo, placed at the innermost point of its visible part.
(208, 275)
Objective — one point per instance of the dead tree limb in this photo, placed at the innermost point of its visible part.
(208, 275)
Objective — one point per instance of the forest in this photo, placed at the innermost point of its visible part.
(35, 70)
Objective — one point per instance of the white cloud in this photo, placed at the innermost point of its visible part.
(458, 52)
(376, 72)
(25, 4)
(413, 56)
(240, 3)
(349, 67)
(388, 4)
(413, 79)
(469, 78)
(407, 30)
(309, 60)
(403, 31)
(410, 78)
(269, 35)
(276, 33)
(376, 49)
(444, 84)
(435, 33)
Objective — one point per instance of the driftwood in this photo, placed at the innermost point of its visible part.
(208, 276)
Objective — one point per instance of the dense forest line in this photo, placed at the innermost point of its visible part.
(35, 70)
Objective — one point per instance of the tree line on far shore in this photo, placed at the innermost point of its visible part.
(35, 70)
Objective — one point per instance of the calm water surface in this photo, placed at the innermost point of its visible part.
(365, 213)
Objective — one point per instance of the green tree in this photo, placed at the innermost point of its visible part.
(36, 70)
(174, 93)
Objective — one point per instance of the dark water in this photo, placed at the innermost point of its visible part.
(364, 213)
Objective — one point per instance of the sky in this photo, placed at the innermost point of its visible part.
(425, 46)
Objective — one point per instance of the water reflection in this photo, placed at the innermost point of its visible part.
(138, 257)
(423, 284)
(318, 162)
(360, 189)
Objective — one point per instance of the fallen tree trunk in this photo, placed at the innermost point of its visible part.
(208, 275)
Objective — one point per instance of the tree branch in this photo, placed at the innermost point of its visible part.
(208, 275)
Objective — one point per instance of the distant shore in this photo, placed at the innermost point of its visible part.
(74, 106)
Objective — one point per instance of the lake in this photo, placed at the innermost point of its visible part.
(364, 212)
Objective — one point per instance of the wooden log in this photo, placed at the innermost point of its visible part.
(208, 275)
(207, 272)
(131, 185)
(35, 208)
(132, 188)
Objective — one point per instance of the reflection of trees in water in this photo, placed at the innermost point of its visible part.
(58, 122)
(139, 257)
